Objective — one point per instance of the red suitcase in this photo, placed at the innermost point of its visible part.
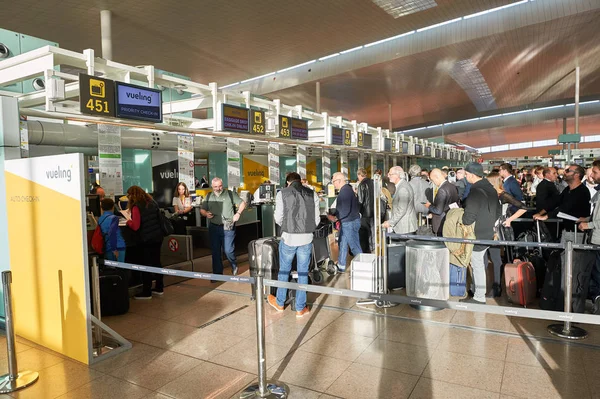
(521, 285)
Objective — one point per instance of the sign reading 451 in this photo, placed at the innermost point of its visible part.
(96, 96)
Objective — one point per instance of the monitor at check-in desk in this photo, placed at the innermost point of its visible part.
(266, 192)
(92, 204)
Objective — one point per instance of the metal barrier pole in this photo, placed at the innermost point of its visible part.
(567, 330)
(97, 331)
(264, 388)
(13, 380)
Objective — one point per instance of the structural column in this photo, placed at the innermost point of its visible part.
(106, 33)
(9, 149)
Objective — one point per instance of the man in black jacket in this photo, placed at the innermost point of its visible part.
(481, 206)
(547, 196)
(366, 192)
(447, 194)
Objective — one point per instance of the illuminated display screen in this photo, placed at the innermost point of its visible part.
(347, 137)
(405, 147)
(137, 102)
(337, 136)
(418, 149)
(438, 153)
(367, 141)
(235, 119)
(427, 151)
(387, 145)
(299, 129)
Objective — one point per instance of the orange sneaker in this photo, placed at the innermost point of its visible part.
(303, 312)
(273, 302)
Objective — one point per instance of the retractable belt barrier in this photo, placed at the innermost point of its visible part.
(494, 309)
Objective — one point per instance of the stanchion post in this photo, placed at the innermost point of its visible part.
(264, 388)
(97, 335)
(567, 330)
(14, 380)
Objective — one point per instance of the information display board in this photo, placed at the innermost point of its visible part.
(427, 151)
(387, 144)
(438, 153)
(96, 96)
(137, 102)
(235, 119)
(418, 149)
(257, 122)
(368, 141)
(347, 137)
(404, 148)
(299, 129)
(337, 136)
(285, 130)
(445, 154)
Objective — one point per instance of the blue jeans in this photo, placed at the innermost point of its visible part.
(286, 257)
(110, 256)
(349, 238)
(220, 240)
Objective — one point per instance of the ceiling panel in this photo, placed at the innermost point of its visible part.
(520, 67)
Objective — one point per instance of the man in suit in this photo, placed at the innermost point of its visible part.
(404, 216)
(511, 185)
(447, 194)
(547, 196)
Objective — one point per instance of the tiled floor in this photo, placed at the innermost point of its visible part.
(339, 351)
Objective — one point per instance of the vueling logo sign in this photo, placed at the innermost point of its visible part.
(59, 173)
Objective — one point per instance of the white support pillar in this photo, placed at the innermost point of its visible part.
(326, 166)
(9, 149)
(106, 33)
(301, 161)
(344, 163)
(318, 88)
(361, 159)
(233, 163)
(274, 163)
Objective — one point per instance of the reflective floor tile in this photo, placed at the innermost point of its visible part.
(207, 381)
(198, 316)
(296, 392)
(318, 317)
(337, 344)
(362, 381)
(158, 372)
(33, 359)
(58, 380)
(432, 389)
(204, 344)
(157, 395)
(470, 371)
(107, 387)
(444, 315)
(475, 343)
(290, 335)
(243, 356)
(236, 324)
(536, 382)
(308, 370)
(163, 334)
(359, 324)
(405, 358)
(138, 351)
(129, 323)
(483, 320)
(412, 332)
(548, 355)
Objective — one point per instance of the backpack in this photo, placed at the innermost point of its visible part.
(165, 224)
(98, 240)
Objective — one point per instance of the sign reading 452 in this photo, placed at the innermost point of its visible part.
(96, 96)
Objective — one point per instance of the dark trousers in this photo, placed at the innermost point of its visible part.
(151, 257)
(365, 235)
(496, 258)
(595, 278)
(221, 240)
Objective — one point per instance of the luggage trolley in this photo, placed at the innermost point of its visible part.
(322, 251)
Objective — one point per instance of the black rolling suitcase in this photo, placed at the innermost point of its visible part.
(114, 291)
(396, 254)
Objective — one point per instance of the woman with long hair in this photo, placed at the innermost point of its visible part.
(144, 218)
(182, 203)
(506, 218)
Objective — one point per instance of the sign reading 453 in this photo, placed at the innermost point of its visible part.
(285, 128)
(96, 96)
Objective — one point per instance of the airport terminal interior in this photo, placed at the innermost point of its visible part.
(308, 199)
